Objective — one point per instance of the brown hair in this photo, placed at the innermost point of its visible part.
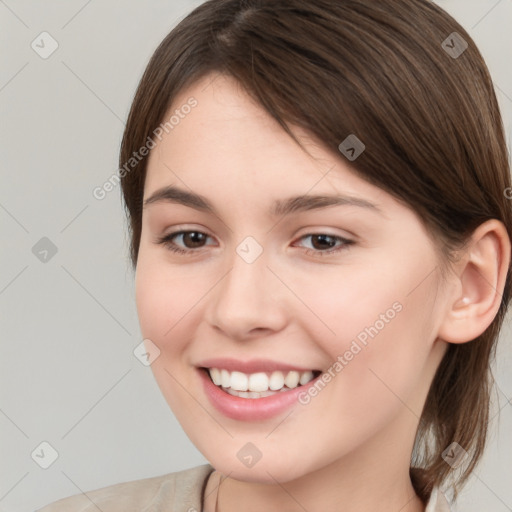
(429, 120)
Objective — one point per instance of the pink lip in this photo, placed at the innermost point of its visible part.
(250, 409)
(252, 366)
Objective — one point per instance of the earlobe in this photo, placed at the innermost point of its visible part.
(480, 279)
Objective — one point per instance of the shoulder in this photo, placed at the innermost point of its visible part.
(181, 490)
(438, 502)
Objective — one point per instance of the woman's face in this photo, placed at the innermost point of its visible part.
(274, 281)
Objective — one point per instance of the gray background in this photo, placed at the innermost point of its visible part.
(68, 375)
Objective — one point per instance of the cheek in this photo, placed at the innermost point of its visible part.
(165, 307)
(165, 302)
(349, 303)
(377, 333)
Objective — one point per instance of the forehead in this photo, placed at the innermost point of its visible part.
(229, 147)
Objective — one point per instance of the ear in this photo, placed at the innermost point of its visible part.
(480, 277)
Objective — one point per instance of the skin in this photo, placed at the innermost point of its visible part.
(349, 448)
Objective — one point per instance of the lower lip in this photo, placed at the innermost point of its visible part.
(251, 409)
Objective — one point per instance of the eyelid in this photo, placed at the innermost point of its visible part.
(186, 228)
(344, 244)
(319, 230)
(166, 241)
(324, 230)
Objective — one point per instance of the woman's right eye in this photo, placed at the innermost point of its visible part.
(191, 239)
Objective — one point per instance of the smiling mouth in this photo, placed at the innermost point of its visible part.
(260, 384)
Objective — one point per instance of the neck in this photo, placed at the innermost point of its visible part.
(315, 495)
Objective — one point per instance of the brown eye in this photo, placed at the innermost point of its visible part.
(322, 244)
(184, 241)
(193, 239)
(323, 241)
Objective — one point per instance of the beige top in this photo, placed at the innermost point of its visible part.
(182, 491)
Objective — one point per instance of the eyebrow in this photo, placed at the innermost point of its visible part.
(172, 194)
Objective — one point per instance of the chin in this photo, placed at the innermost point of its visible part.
(263, 472)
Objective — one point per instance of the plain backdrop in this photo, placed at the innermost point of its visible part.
(68, 375)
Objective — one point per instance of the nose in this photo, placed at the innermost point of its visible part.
(249, 301)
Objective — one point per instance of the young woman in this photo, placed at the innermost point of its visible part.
(320, 231)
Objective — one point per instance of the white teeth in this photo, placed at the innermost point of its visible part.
(239, 381)
(256, 385)
(292, 379)
(276, 380)
(305, 378)
(258, 382)
(251, 394)
(225, 378)
(215, 374)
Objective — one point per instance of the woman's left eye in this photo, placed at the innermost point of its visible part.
(321, 243)
(324, 244)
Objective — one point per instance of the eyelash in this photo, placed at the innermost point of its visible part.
(169, 244)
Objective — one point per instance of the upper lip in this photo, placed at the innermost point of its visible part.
(251, 366)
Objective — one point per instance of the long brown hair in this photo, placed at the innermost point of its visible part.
(429, 119)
